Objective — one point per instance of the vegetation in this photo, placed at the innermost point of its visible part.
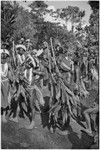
(16, 22)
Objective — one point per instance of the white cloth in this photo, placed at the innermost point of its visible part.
(28, 75)
(32, 60)
(4, 51)
(21, 46)
(94, 73)
(4, 85)
(4, 70)
(39, 52)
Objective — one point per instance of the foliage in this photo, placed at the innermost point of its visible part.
(93, 32)
(17, 22)
(72, 13)
(8, 18)
(22, 91)
(24, 26)
(94, 4)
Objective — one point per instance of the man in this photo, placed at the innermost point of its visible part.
(35, 99)
(84, 74)
(21, 49)
(66, 65)
(32, 63)
(22, 56)
(20, 59)
(21, 41)
(4, 82)
(90, 111)
(28, 44)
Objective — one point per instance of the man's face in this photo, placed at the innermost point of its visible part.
(27, 43)
(21, 41)
(58, 48)
(20, 51)
(4, 58)
(45, 44)
(70, 56)
(84, 58)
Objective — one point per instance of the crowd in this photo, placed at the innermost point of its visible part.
(25, 71)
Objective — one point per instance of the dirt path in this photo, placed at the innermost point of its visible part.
(14, 136)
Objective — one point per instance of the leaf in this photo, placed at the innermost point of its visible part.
(65, 116)
(63, 96)
(39, 95)
(56, 112)
(57, 109)
(18, 92)
(72, 100)
(69, 106)
(22, 91)
(2, 89)
(54, 107)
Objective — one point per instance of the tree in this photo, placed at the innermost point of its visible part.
(25, 26)
(72, 14)
(8, 18)
(94, 4)
(93, 32)
(38, 9)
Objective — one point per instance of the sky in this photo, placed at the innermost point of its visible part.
(83, 5)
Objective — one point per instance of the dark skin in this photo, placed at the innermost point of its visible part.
(20, 51)
(87, 113)
(4, 58)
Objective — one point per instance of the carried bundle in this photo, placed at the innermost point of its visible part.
(63, 99)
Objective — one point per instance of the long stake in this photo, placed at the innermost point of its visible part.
(13, 53)
(54, 58)
(51, 91)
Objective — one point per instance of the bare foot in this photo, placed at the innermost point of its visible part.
(51, 130)
(14, 119)
(88, 131)
(64, 132)
(4, 120)
(31, 126)
(96, 138)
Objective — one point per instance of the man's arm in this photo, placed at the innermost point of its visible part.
(38, 72)
(72, 64)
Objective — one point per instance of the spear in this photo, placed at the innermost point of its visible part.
(49, 58)
(13, 53)
(54, 58)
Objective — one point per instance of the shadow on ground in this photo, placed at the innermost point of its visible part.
(15, 137)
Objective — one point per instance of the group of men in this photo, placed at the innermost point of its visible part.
(20, 56)
(35, 64)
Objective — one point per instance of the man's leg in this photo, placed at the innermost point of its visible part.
(69, 77)
(14, 112)
(87, 117)
(32, 125)
(31, 105)
(88, 121)
(4, 120)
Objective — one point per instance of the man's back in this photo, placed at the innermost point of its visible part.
(65, 63)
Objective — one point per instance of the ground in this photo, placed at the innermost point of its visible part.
(15, 136)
